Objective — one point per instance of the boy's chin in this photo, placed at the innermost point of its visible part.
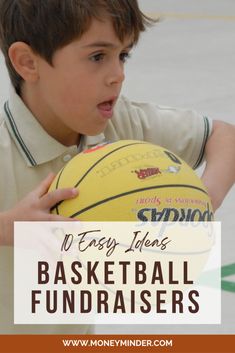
(96, 131)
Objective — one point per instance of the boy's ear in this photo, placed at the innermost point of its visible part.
(24, 61)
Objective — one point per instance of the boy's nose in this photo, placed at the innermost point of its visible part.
(116, 75)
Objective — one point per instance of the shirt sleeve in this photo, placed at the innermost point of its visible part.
(182, 131)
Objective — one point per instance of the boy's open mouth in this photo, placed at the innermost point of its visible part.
(106, 107)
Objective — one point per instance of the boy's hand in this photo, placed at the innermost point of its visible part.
(34, 207)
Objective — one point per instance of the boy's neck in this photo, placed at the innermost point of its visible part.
(53, 127)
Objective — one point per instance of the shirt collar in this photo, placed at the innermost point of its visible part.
(33, 142)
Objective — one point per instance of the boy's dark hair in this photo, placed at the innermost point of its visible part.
(47, 25)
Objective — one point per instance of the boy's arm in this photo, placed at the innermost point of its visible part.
(219, 174)
(34, 207)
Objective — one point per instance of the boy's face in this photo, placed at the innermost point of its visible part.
(77, 94)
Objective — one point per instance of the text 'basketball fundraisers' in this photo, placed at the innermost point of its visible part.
(98, 272)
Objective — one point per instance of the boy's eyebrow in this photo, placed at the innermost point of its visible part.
(106, 45)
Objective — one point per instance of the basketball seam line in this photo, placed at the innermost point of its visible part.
(57, 182)
(93, 166)
(17, 135)
(97, 162)
(135, 191)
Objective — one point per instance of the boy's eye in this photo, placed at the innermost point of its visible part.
(100, 56)
(124, 56)
(97, 57)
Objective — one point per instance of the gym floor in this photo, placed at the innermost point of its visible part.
(186, 60)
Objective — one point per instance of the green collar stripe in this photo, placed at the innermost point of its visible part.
(205, 138)
(17, 135)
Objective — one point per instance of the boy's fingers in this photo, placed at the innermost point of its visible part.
(52, 198)
(44, 185)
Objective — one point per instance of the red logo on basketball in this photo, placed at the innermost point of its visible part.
(147, 172)
(97, 147)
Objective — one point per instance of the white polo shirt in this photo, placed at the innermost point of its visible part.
(28, 154)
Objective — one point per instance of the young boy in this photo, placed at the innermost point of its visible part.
(66, 63)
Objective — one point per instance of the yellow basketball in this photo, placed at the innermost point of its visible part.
(132, 181)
